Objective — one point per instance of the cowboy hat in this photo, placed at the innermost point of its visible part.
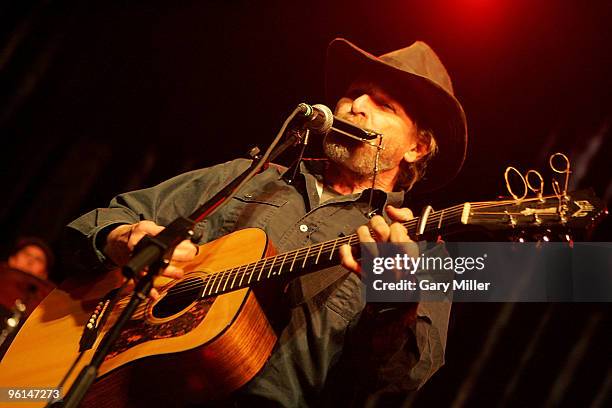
(421, 80)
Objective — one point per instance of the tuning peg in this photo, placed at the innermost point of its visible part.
(543, 236)
(546, 236)
(567, 238)
(520, 237)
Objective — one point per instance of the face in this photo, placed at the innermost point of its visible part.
(31, 259)
(367, 105)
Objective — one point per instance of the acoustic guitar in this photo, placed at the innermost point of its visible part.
(206, 335)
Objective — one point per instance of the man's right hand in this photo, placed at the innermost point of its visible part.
(120, 243)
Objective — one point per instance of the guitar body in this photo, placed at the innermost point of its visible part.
(197, 349)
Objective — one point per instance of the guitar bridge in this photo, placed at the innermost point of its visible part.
(97, 320)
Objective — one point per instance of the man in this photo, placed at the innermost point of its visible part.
(23, 284)
(31, 255)
(332, 348)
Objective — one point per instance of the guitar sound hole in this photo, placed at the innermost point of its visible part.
(179, 297)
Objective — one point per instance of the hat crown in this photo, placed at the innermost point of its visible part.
(420, 59)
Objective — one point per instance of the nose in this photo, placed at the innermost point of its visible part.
(361, 105)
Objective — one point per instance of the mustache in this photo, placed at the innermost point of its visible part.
(354, 119)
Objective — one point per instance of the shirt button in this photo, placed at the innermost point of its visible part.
(303, 227)
(248, 195)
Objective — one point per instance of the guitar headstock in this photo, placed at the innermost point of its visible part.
(561, 211)
(575, 210)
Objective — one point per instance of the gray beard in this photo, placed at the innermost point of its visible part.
(360, 163)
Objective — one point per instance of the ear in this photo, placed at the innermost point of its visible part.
(416, 152)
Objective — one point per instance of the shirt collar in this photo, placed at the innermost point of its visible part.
(313, 169)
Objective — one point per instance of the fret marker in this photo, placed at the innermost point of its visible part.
(272, 267)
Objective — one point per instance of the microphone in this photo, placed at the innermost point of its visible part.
(320, 119)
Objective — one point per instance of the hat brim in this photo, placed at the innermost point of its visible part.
(432, 106)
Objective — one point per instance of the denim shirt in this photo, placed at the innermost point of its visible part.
(329, 349)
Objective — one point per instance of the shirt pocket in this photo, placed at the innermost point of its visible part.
(249, 210)
(347, 300)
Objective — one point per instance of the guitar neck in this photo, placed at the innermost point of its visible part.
(303, 260)
(578, 210)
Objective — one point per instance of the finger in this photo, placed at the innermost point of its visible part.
(348, 260)
(363, 233)
(399, 214)
(398, 233)
(141, 229)
(147, 227)
(129, 287)
(174, 272)
(365, 238)
(154, 294)
(116, 246)
(380, 228)
(185, 251)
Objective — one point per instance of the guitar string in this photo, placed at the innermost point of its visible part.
(298, 254)
(295, 256)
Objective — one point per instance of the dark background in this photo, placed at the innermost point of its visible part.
(97, 98)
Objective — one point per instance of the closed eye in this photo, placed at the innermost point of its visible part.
(389, 106)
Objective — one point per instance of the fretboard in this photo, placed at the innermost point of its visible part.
(317, 256)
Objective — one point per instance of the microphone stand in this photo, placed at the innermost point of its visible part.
(155, 253)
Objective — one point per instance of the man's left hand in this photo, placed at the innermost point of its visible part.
(381, 232)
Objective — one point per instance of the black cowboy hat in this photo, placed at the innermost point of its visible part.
(422, 83)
